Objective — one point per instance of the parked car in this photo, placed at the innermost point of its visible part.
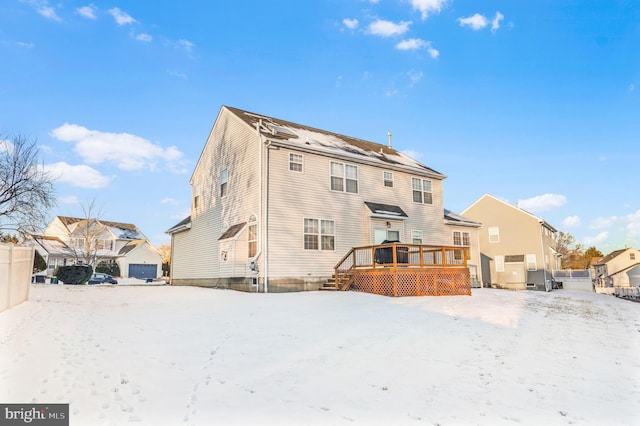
(102, 278)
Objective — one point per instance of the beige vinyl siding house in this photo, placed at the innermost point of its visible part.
(277, 204)
(619, 269)
(520, 247)
(63, 243)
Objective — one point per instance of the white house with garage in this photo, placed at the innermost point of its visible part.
(70, 240)
(276, 205)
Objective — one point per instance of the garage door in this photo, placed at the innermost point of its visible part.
(139, 270)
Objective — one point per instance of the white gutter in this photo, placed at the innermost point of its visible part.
(544, 266)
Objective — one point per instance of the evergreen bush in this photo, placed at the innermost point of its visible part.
(39, 264)
(75, 274)
(108, 268)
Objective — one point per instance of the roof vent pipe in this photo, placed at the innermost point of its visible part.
(389, 138)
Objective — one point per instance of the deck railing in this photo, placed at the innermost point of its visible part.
(394, 255)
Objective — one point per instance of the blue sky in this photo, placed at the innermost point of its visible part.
(534, 102)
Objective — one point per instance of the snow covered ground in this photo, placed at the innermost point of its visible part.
(160, 355)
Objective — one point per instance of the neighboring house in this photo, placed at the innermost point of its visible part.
(618, 269)
(518, 248)
(276, 205)
(64, 242)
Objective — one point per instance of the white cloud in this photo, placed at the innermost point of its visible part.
(142, 37)
(542, 203)
(42, 7)
(572, 221)
(69, 199)
(603, 222)
(184, 44)
(126, 151)
(121, 17)
(385, 28)
(476, 22)
(5, 146)
(88, 12)
(176, 74)
(417, 44)
(169, 200)
(352, 24)
(25, 44)
(412, 154)
(427, 7)
(181, 214)
(598, 239)
(81, 175)
(414, 77)
(495, 23)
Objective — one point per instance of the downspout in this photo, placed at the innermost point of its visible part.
(264, 169)
(266, 219)
(544, 265)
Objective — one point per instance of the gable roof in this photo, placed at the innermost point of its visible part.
(183, 225)
(125, 231)
(52, 245)
(320, 141)
(611, 256)
(516, 208)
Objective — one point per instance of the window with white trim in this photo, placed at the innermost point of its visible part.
(422, 192)
(461, 238)
(252, 239)
(196, 195)
(499, 260)
(319, 234)
(295, 162)
(224, 179)
(387, 177)
(532, 264)
(494, 234)
(344, 177)
(416, 237)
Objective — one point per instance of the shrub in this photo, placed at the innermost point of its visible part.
(76, 274)
(39, 264)
(108, 268)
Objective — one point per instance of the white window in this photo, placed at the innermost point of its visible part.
(253, 239)
(319, 234)
(295, 162)
(224, 178)
(532, 264)
(344, 177)
(416, 237)
(78, 243)
(494, 234)
(461, 238)
(388, 179)
(499, 260)
(422, 191)
(196, 196)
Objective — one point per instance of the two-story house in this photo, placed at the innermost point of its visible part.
(518, 248)
(71, 240)
(618, 269)
(276, 204)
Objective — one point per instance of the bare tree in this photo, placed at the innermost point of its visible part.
(86, 237)
(26, 189)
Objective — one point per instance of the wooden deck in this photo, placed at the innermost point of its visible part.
(404, 270)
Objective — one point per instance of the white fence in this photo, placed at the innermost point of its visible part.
(16, 267)
(573, 279)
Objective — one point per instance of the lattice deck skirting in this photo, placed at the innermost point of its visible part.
(413, 281)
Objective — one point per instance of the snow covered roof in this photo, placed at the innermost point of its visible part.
(316, 140)
(52, 245)
(457, 219)
(122, 231)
